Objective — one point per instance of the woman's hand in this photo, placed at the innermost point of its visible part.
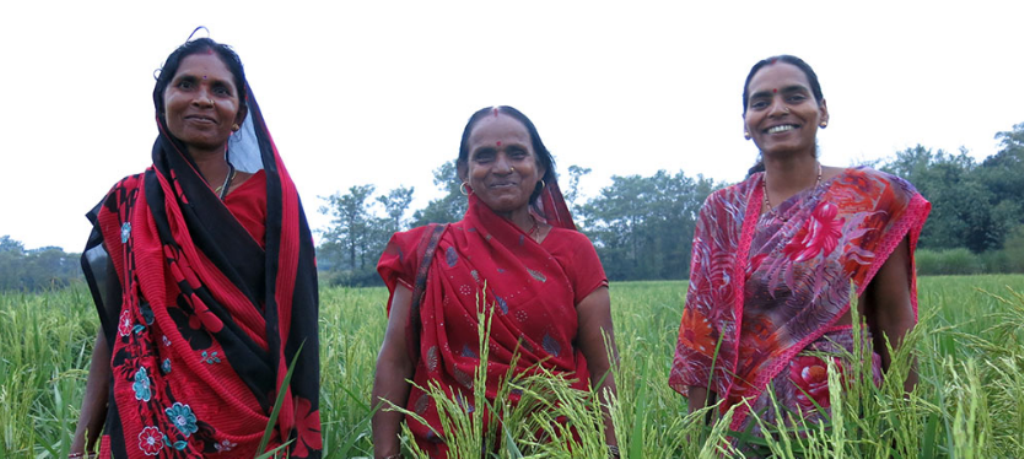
(394, 367)
(94, 403)
(887, 307)
(594, 316)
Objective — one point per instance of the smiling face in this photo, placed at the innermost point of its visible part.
(201, 103)
(782, 115)
(502, 169)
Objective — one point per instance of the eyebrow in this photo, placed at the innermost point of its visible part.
(786, 90)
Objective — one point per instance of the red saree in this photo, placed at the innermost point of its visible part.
(202, 319)
(533, 288)
(771, 288)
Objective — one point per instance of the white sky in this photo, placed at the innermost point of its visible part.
(379, 92)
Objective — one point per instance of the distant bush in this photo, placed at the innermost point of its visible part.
(948, 262)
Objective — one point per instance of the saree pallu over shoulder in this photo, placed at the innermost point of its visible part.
(484, 263)
(764, 289)
(203, 322)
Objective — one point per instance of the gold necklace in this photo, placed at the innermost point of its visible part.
(768, 203)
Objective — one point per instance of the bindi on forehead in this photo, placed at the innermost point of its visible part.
(499, 143)
(774, 90)
(495, 112)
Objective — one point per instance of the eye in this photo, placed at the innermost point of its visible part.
(185, 84)
(483, 155)
(797, 98)
(758, 104)
(221, 90)
(517, 153)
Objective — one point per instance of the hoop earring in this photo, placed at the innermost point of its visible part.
(746, 135)
(234, 127)
(824, 124)
(542, 184)
(463, 189)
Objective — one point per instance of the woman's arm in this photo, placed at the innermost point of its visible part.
(94, 403)
(394, 367)
(594, 315)
(888, 309)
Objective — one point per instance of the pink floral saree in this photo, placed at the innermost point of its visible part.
(764, 289)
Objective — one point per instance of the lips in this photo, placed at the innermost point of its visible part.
(201, 119)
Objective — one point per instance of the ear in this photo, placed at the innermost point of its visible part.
(243, 111)
(462, 169)
(824, 111)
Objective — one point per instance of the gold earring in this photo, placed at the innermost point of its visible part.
(823, 124)
(463, 189)
(542, 184)
(234, 127)
(746, 135)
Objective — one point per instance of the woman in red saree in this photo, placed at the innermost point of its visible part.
(517, 245)
(203, 274)
(775, 259)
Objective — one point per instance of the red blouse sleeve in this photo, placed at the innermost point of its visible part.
(579, 259)
(400, 260)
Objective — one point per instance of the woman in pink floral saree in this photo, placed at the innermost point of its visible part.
(776, 257)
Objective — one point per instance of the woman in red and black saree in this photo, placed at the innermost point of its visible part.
(202, 269)
(516, 245)
(777, 257)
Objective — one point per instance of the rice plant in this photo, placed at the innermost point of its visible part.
(969, 402)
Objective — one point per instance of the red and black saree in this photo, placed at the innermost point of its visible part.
(204, 306)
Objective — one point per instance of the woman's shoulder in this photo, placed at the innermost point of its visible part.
(866, 174)
(733, 194)
(570, 237)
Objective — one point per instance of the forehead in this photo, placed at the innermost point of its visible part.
(504, 128)
(777, 76)
(204, 64)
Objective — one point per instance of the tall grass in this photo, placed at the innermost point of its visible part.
(969, 403)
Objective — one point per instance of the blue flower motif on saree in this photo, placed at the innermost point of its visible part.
(182, 418)
(141, 385)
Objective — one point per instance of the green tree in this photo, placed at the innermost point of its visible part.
(351, 221)
(642, 227)
(448, 208)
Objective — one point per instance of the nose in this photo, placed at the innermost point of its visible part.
(778, 107)
(202, 98)
(502, 164)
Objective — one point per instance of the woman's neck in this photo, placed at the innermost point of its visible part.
(788, 175)
(521, 218)
(212, 164)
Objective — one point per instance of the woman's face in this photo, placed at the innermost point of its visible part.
(201, 102)
(502, 168)
(782, 115)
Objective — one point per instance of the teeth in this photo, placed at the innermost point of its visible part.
(776, 129)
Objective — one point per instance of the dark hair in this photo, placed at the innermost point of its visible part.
(812, 78)
(543, 155)
(200, 45)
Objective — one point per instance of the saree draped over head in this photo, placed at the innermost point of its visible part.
(763, 290)
(531, 289)
(202, 319)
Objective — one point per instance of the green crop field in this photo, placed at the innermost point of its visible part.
(970, 403)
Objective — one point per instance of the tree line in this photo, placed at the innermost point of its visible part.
(35, 269)
(642, 226)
